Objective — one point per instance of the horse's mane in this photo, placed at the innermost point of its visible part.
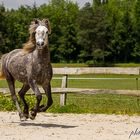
(29, 46)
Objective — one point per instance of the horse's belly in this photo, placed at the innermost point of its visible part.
(19, 73)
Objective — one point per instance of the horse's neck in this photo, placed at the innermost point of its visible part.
(42, 56)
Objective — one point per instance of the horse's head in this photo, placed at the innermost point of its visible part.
(41, 33)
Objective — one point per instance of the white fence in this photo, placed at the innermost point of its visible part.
(97, 70)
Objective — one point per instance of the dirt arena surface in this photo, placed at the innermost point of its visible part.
(48, 126)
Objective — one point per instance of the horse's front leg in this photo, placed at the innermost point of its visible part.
(35, 89)
(47, 89)
(22, 93)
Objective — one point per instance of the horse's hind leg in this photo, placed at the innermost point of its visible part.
(11, 84)
(22, 93)
(47, 89)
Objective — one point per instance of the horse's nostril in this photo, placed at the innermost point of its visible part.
(42, 43)
(38, 43)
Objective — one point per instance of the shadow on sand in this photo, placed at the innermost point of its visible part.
(46, 125)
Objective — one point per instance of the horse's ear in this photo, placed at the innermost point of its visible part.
(47, 23)
(35, 21)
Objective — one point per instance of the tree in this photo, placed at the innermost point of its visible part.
(122, 32)
(86, 32)
(107, 31)
(136, 49)
(69, 48)
(3, 36)
(93, 33)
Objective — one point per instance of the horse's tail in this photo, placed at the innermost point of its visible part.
(2, 76)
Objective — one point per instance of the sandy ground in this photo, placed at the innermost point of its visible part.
(48, 126)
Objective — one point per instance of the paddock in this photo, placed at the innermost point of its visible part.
(69, 127)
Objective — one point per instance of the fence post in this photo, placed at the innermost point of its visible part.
(63, 96)
(137, 83)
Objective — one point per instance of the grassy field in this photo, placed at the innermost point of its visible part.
(101, 103)
(60, 65)
(104, 103)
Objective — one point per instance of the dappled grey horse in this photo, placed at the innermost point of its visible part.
(31, 66)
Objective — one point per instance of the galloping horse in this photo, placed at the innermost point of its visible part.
(31, 66)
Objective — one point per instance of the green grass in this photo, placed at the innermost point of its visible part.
(101, 103)
(60, 65)
(127, 65)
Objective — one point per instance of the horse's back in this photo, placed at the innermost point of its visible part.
(9, 55)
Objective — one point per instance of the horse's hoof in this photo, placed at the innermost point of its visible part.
(32, 115)
(41, 108)
(26, 115)
(23, 118)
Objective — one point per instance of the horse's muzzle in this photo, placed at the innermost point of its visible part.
(40, 45)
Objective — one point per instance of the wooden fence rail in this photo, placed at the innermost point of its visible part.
(5, 91)
(96, 70)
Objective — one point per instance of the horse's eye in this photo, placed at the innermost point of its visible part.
(47, 32)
